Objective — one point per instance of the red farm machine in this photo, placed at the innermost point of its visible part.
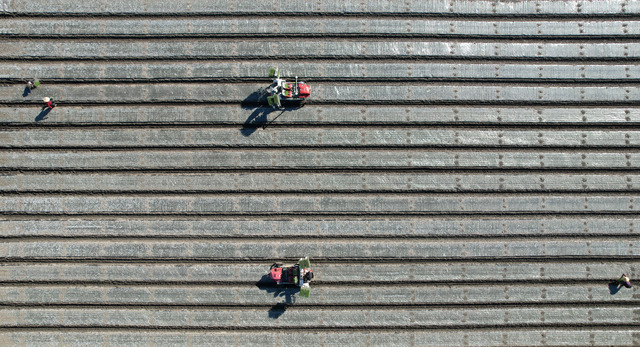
(281, 91)
(298, 275)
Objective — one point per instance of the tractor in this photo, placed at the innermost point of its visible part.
(281, 91)
(298, 275)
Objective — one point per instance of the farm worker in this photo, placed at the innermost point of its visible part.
(49, 103)
(624, 280)
(308, 276)
(33, 84)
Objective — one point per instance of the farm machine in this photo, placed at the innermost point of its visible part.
(298, 275)
(281, 91)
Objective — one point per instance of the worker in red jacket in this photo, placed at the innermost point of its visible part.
(48, 103)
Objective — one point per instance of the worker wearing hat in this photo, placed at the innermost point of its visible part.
(624, 280)
(48, 103)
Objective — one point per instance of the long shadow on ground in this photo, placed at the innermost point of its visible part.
(43, 114)
(287, 293)
(257, 119)
(260, 111)
(614, 288)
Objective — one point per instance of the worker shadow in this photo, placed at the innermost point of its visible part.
(288, 294)
(26, 92)
(255, 102)
(260, 118)
(257, 119)
(43, 114)
(614, 287)
(277, 310)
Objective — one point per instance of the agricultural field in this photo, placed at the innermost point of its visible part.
(465, 173)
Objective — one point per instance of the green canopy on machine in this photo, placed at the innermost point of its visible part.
(274, 100)
(274, 73)
(304, 263)
(305, 291)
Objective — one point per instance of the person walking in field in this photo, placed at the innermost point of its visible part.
(32, 84)
(48, 103)
(624, 280)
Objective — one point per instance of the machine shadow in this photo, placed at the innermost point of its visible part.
(286, 293)
(255, 99)
(259, 117)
